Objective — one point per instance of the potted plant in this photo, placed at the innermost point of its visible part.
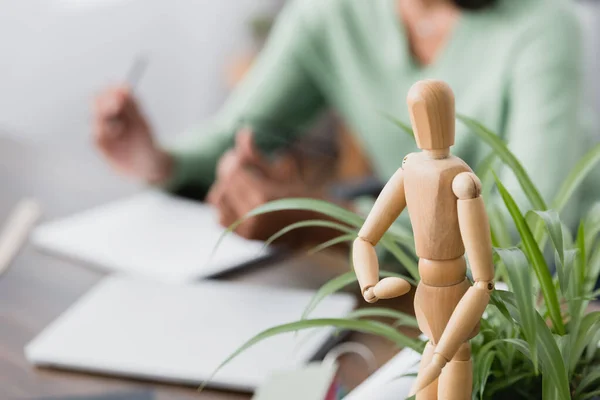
(537, 339)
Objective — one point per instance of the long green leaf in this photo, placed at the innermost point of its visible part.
(536, 258)
(591, 395)
(553, 366)
(583, 167)
(497, 301)
(332, 242)
(581, 269)
(483, 171)
(320, 206)
(405, 260)
(508, 381)
(500, 230)
(593, 270)
(404, 127)
(483, 372)
(592, 224)
(334, 285)
(554, 228)
(575, 286)
(373, 327)
(590, 381)
(396, 232)
(485, 166)
(593, 346)
(549, 391)
(520, 345)
(520, 281)
(564, 345)
(401, 319)
(586, 332)
(334, 211)
(309, 224)
(502, 151)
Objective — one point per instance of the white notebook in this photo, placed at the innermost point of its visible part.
(181, 333)
(151, 234)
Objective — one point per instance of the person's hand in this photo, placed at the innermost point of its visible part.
(123, 136)
(246, 180)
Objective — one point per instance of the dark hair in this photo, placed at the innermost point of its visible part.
(474, 4)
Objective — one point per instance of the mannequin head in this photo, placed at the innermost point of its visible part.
(431, 108)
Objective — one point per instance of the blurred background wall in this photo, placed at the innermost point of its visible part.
(55, 54)
(589, 13)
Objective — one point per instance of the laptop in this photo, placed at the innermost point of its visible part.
(180, 333)
(152, 234)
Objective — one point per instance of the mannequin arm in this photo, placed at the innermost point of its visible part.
(387, 208)
(475, 232)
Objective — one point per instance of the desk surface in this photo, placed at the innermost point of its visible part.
(68, 177)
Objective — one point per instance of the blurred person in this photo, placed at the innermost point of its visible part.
(514, 65)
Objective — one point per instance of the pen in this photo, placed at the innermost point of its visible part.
(133, 77)
(136, 71)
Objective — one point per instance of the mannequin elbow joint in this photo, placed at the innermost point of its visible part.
(488, 286)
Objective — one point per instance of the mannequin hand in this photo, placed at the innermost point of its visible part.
(369, 295)
(387, 288)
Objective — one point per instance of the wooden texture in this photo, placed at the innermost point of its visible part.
(366, 265)
(465, 318)
(434, 307)
(456, 379)
(429, 374)
(391, 287)
(475, 230)
(432, 205)
(443, 272)
(66, 176)
(431, 391)
(431, 107)
(386, 209)
(466, 185)
(442, 196)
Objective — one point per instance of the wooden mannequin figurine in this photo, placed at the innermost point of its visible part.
(448, 217)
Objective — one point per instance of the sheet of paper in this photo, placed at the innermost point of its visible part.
(182, 333)
(151, 234)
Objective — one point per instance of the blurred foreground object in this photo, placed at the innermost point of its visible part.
(14, 234)
(315, 381)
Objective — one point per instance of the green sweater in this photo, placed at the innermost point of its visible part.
(515, 67)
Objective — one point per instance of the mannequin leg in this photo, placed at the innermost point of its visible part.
(430, 392)
(456, 381)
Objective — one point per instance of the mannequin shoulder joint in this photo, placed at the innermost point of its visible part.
(466, 185)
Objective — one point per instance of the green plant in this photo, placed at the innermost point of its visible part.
(536, 339)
